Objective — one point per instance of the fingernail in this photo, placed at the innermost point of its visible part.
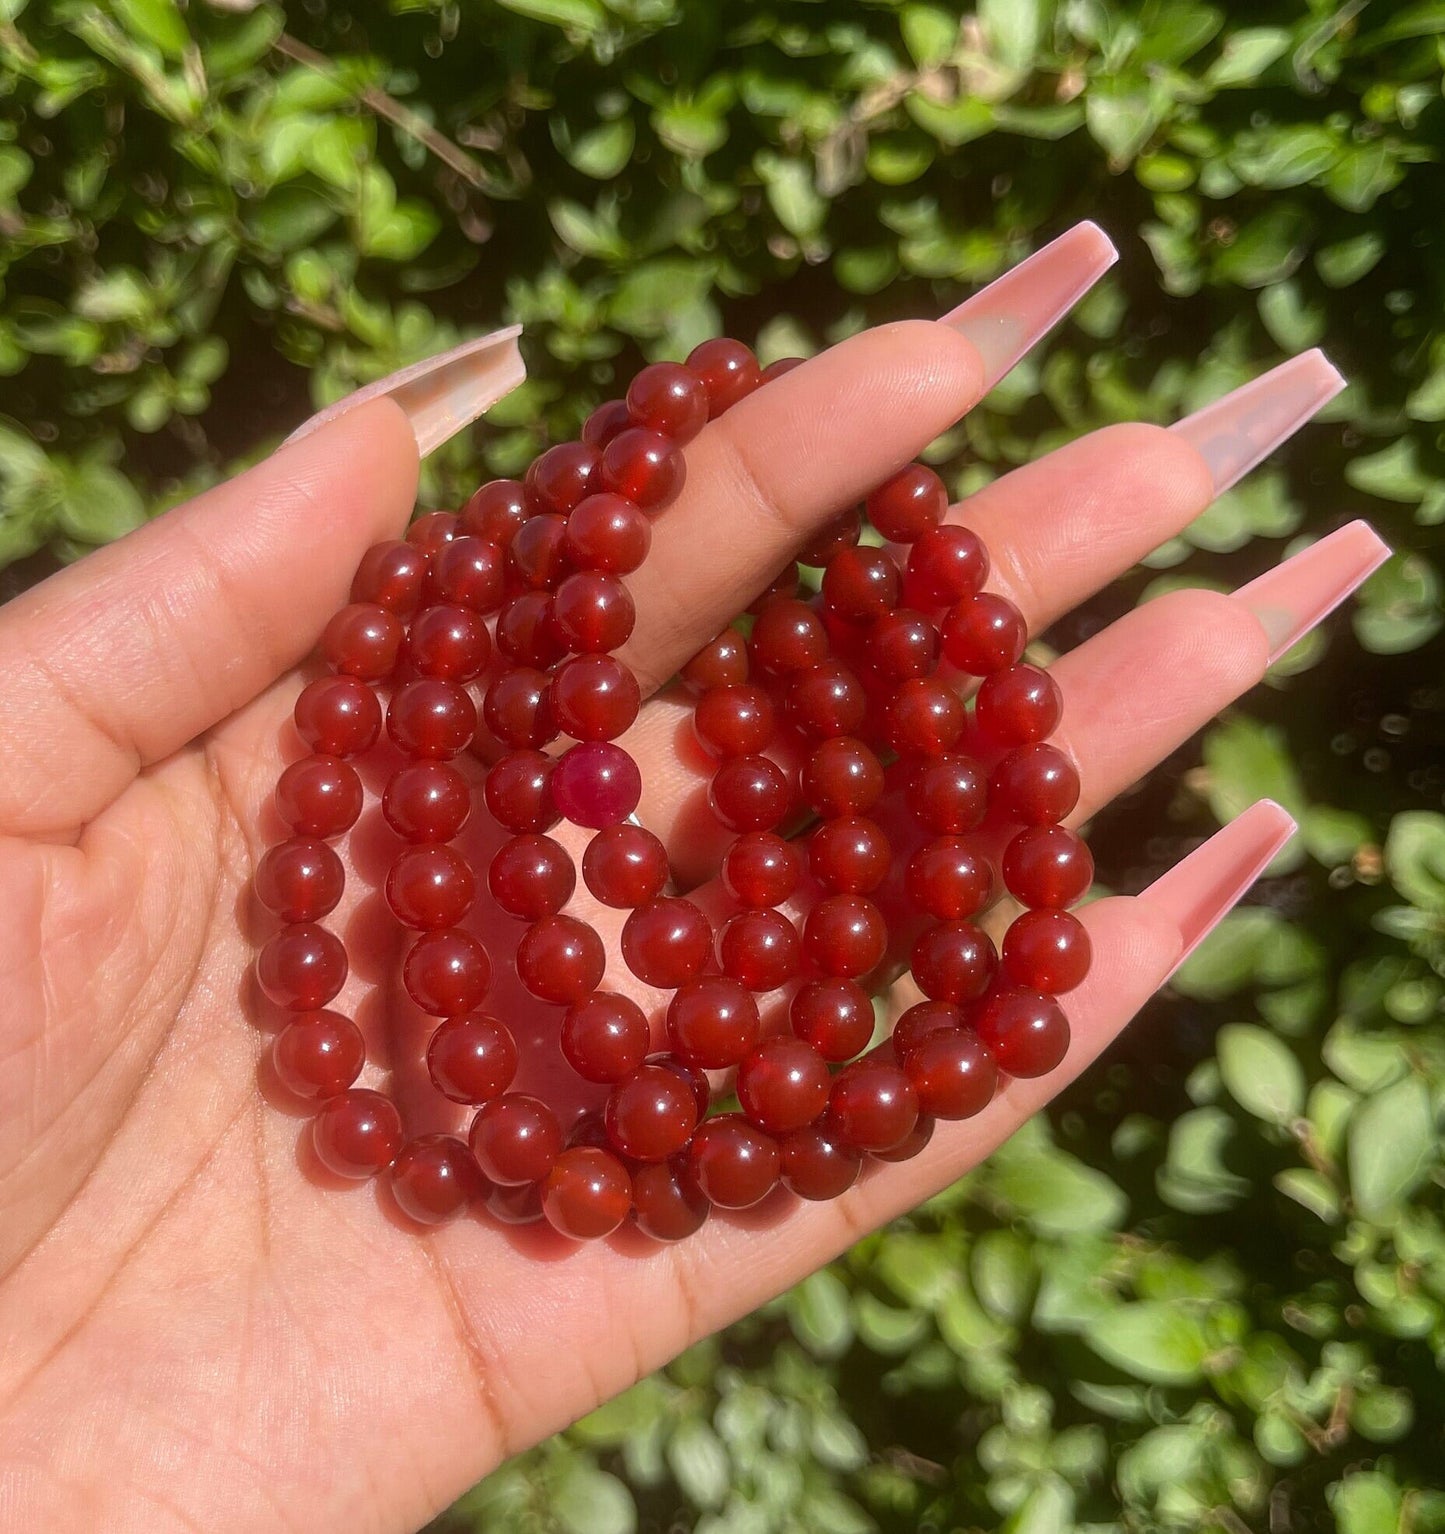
(1197, 893)
(1016, 310)
(1247, 424)
(442, 394)
(1296, 595)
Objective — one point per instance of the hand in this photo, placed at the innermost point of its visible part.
(196, 1333)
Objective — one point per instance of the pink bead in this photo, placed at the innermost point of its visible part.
(596, 784)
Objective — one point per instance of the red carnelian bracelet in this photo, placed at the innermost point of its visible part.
(520, 600)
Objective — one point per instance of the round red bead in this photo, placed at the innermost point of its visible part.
(845, 935)
(788, 637)
(666, 942)
(446, 972)
(356, 1134)
(393, 575)
(644, 468)
(1018, 705)
(593, 612)
(826, 701)
(908, 505)
(830, 540)
(587, 1194)
(712, 1022)
(1047, 866)
(651, 1114)
(363, 640)
(760, 868)
(469, 573)
(1047, 951)
(850, 855)
(750, 793)
(471, 1058)
(946, 878)
(517, 708)
(515, 1138)
(722, 662)
(319, 796)
(953, 961)
(302, 967)
(318, 1054)
(862, 584)
(817, 1163)
(670, 399)
(609, 418)
(495, 511)
(607, 532)
(427, 802)
(535, 557)
(735, 721)
(300, 880)
(605, 1037)
(430, 886)
(760, 949)
(842, 777)
(946, 564)
(1034, 785)
(923, 718)
(873, 1104)
(983, 633)
(953, 1074)
(431, 718)
(527, 631)
(666, 1203)
(625, 866)
(902, 645)
(434, 1178)
(449, 642)
(948, 795)
(728, 371)
(561, 477)
(338, 716)
(531, 877)
(561, 960)
(518, 791)
(783, 1084)
(1026, 1032)
(835, 1016)
(734, 1163)
(594, 697)
(596, 784)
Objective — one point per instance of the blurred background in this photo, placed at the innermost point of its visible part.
(1207, 1290)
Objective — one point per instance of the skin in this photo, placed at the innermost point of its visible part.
(195, 1331)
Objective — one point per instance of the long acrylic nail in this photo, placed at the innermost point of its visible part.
(1296, 595)
(443, 394)
(1197, 893)
(1019, 308)
(1247, 424)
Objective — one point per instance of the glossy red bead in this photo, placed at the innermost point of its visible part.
(948, 795)
(651, 1114)
(603, 424)
(666, 1203)
(1047, 866)
(953, 961)
(722, 662)
(1034, 785)
(338, 716)
(817, 1163)
(760, 949)
(862, 584)
(605, 1037)
(319, 796)
(495, 511)
(983, 633)
(783, 1084)
(427, 802)
(299, 880)
(827, 701)
(560, 478)
(446, 972)
(363, 640)
(516, 1138)
(911, 1144)
(356, 1134)
(434, 1178)
(430, 886)
(469, 573)
(760, 868)
(607, 532)
(644, 468)
(735, 721)
(712, 1022)
(782, 366)
(471, 1058)
(831, 539)
(1026, 1032)
(923, 718)
(945, 564)
(527, 632)
(666, 942)
(845, 936)
(393, 575)
(750, 793)
(1046, 951)
(531, 877)
(318, 1054)
(694, 1078)
(906, 506)
(587, 1194)
(517, 708)
(668, 398)
(841, 777)
(594, 697)
(593, 612)
(535, 557)
(625, 866)
(302, 967)
(788, 637)
(561, 960)
(953, 1074)
(596, 784)
(728, 370)
(873, 1104)
(850, 855)
(1018, 705)
(902, 645)
(920, 1020)
(734, 1162)
(432, 530)
(518, 791)
(431, 718)
(835, 1016)
(948, 879)
(449, 642)
(515, 1204)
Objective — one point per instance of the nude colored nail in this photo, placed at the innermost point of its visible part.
(1198, 892)
(1019, 308)
(1296, 595)
(1247, 424)
(443, 394)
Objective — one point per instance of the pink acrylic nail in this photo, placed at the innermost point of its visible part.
(1234, 433)
(1197, 893)
(1296, 595)
(1013, 312)
(443, 394)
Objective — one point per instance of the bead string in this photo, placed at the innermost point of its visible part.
(522, 596)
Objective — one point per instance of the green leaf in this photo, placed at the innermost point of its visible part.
(157, 22)
(603, 151)
(1391, 1146)
(1015, 30)
(1247, 761)
(818, 1311)
(1160, 1343)
(651, 295)
(1399, 608)
(1346, 261)
(951, 123)
(1003, 1274)
(586, 1500)
(690, 129)
(700, 1463)
(1393, 474)
(1120, 120)
(930, 33)
(1426, 401)
(1281, 157)
(919, 1269)
(791, 193)
(98, 504)
(1366, 1502)
(1311, 1189)
(1058, 1194)
(584, 16)
(1364, 175)
(1415, 857)
(1294, 324)
(1268, 248)
(1261, 1073)
(1194, 1176)
(404, 233)
(1245, 55)
(290, 217)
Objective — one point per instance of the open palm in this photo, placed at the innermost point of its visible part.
(196, 1331)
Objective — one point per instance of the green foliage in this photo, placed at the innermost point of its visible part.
(1207, 1291)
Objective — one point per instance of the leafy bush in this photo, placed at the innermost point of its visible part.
(1208, 1291)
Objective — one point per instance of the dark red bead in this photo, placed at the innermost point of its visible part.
(783, 1084)
(946, 878)
(363, 640)
(722, 662)
(923, 718)
(318, 1054)
(527, 631)
(835, 1016)
(666, 1203)
(954, 961)
(780, 367)
(516, 1139)
(903, 644)
(625, 866)
(827, 701)
(948, 795)
(495, 511)
(666, 942)
(605, 1037)
(517, 1204)
(432, 530)
(302, 967)
(1034, 785)
(596, 784)
(470, 573)
(587, 1194)
(356, 1134)
(1047, 951)
(449, 642)
(431, 718)
(609, 418)
(946, 564)
(695, 1079)
(300, 880)
(434, 1178)
(760, 949)
(873, 1104)
(561, 960)
(788, 637)
(338, 716)
(830, 540)
(319, 796)
(734, 1163)
(588, 1128)
(644, 468)
(862, 584)
(607, 532)
(783, 587)
(728, 370)
(842, 776)
(817, 1163)
(430, 886)
(531, 877)
(669, 399)
(735, 721)
(447, 972)
(905, 507)
(593, 612)
(1018, 705)
(393, 575)
(850, 855)
(845, 935)
(651, 1114)
(518, 791)
(750, 793)
(911, 1144)
(983, 633)
(535, 556)
(1047, 866)
(561, 477)
(427, 802)
(712, 1022)
(953, 1074)
(471, 1058)
(918, 1021)
(1026, 1032)
(517, 707)
(594, 697)
(760, 868)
